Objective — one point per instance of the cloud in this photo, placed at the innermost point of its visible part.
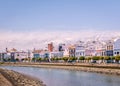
(40, 39)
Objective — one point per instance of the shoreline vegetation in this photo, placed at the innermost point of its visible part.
(12, 78)
(113, 69)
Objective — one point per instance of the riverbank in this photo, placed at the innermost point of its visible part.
(12, 78)
(113, 69)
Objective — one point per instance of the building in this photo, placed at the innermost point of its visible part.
(95, 48)
(71, 51)
(12, 54)
(40, 54)
(109, 48)
(116, 47)
(79, 51)
(21, 55)
(36, 53)
(100, 48)
(56, 54)
(90, 48)
(50, 47)
(61, 47)
(66, 52)
(4, 56)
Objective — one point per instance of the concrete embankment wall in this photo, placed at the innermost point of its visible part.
(17, 79)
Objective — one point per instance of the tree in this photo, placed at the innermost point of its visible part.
(65, 59)
(101, 58)
(82, 58)
(22, 59)
(26, 59)
(56, 59)
(59, 58)
(52, 59)
(95, 58)
(9, 59)
(33, 59)
(39, 59)
(88, 59)
(45, 59)
(117, 58)
(113, 58)
(17, 59)
(106, 58)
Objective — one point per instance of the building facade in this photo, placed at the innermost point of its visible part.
(79, 51)
(116, 48)
(109, 48)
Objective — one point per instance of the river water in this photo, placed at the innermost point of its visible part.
(59, 77)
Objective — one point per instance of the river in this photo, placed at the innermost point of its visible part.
(59, 77)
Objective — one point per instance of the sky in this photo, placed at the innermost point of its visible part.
(33, 23)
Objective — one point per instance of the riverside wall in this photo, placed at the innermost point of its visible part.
(12, 78)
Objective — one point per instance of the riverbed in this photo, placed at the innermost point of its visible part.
(60, 77)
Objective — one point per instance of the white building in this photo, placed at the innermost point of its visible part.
(95, 48)
(116, 47)
(66, 53)
(79, 51)
(21, 55)
(56, 54)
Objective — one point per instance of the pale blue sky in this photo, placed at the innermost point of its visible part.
(59, 15)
